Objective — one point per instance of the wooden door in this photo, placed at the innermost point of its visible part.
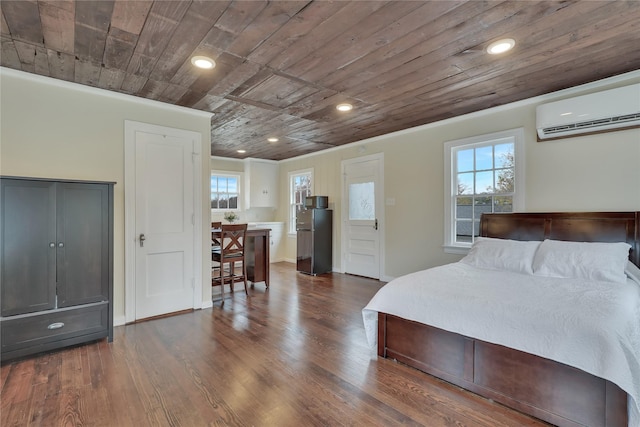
(28, 270)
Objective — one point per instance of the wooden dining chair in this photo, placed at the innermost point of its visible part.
(215, 244)
(232, 251)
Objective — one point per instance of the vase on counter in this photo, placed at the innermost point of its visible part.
(231, 217)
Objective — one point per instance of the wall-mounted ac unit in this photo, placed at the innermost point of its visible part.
(596, 112)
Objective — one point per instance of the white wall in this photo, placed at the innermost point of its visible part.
(54, 129)
(587, 173)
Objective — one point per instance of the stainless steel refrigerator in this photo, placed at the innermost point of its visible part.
(314, 235)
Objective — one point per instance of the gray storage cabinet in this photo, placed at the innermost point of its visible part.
(56, 272)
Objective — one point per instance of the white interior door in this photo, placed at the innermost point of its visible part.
(362, 216)
(164, 224)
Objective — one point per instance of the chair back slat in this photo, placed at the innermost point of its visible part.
(232, 236)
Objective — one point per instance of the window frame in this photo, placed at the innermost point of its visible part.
(450, 186)
(229, 174)
(292, 205)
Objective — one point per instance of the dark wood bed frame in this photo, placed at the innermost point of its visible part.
(551, 391)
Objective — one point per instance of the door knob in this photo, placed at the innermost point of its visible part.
(142, 239)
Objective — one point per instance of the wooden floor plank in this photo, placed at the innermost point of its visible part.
(293, 355)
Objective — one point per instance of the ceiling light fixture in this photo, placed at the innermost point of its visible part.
(272, 139)
(344, 107)
(242, 151)
(203, 62)
(501, 46)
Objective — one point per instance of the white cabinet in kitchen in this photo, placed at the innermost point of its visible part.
(276, 236)
(261, 180)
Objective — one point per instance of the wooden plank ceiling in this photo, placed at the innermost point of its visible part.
(282, 66)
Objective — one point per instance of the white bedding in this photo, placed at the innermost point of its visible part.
(593, 326)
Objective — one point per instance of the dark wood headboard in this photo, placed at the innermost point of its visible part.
(568, 226)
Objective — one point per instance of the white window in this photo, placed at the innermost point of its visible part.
(300, 186)
(482, 174)
(225, 191)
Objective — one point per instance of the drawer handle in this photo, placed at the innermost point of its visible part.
(56, 325)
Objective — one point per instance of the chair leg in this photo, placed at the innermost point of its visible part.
(221, 284)
(244, 276)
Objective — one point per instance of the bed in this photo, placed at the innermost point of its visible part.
(565, 379)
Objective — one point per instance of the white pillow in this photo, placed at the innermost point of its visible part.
(582, 260)
(633, 272)
(502, 254)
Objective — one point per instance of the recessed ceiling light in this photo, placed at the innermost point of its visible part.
(203, 62)
(242, 151)
(344, 107)
(501, 46)
(272, 139)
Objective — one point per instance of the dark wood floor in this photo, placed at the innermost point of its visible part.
(294, 355)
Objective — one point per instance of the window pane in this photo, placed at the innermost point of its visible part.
(306, 182)
(223, 201)
(232, 185)
(214, 184)
(465, 160)
(505, 182)
(463, 231)
(222, 185)
(503, 204)
(464, 207)
(504, 155)
(484, 158)
(484, 182)
(465, 183)
(362, 201)
(482, 205)
(233, 201)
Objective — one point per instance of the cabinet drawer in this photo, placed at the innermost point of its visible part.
(44, 330)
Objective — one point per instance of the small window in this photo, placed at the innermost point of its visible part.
(225, 191)
(300, 186)
(484, 174)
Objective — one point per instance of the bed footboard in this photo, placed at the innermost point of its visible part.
(554, 392)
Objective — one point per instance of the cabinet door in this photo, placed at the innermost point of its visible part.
(263, 184)
(28, 270)
(82, 243)
(277, 231)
